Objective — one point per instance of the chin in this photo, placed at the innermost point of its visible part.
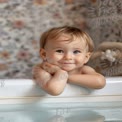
(68, 69)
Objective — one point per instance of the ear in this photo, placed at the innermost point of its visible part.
(43, 53)
(88, 55)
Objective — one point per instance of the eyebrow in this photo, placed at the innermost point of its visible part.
(78, 48)
(81, 49)
(56, 47)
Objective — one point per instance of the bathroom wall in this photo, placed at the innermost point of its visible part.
(23, 21)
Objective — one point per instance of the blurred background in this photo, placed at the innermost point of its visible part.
(23, 21)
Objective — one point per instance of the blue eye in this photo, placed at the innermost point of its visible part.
(59, 51)
(76, 51)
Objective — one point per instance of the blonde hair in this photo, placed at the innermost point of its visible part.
(73, 32)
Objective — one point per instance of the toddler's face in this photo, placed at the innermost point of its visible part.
(68, 55)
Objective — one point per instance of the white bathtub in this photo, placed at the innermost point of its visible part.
(19, 91)
(23, 100)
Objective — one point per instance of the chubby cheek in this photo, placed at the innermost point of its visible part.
(80, 60)
(53, 58)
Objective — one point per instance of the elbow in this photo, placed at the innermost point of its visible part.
(54, 93)
(101, 82)
(54, 90)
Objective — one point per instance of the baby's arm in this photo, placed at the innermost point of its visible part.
(51, 78)
(88, 78)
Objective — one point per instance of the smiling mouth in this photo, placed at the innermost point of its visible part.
(67, 63)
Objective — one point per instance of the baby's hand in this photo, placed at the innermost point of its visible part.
(50, 67)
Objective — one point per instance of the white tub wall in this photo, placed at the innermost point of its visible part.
(24, 91)
(28, 88)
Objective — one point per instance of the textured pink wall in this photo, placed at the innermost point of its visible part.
(23, 21)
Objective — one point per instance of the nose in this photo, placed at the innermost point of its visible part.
(68, 56)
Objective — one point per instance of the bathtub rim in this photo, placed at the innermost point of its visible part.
(95, 96)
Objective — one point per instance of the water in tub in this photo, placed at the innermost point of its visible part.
(38, 113)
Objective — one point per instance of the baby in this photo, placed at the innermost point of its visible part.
(65, 52)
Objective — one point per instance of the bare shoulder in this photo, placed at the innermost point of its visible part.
(88, 70)
(39, 73)
(37, 68)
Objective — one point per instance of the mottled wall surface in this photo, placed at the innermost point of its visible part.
(23, 21)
